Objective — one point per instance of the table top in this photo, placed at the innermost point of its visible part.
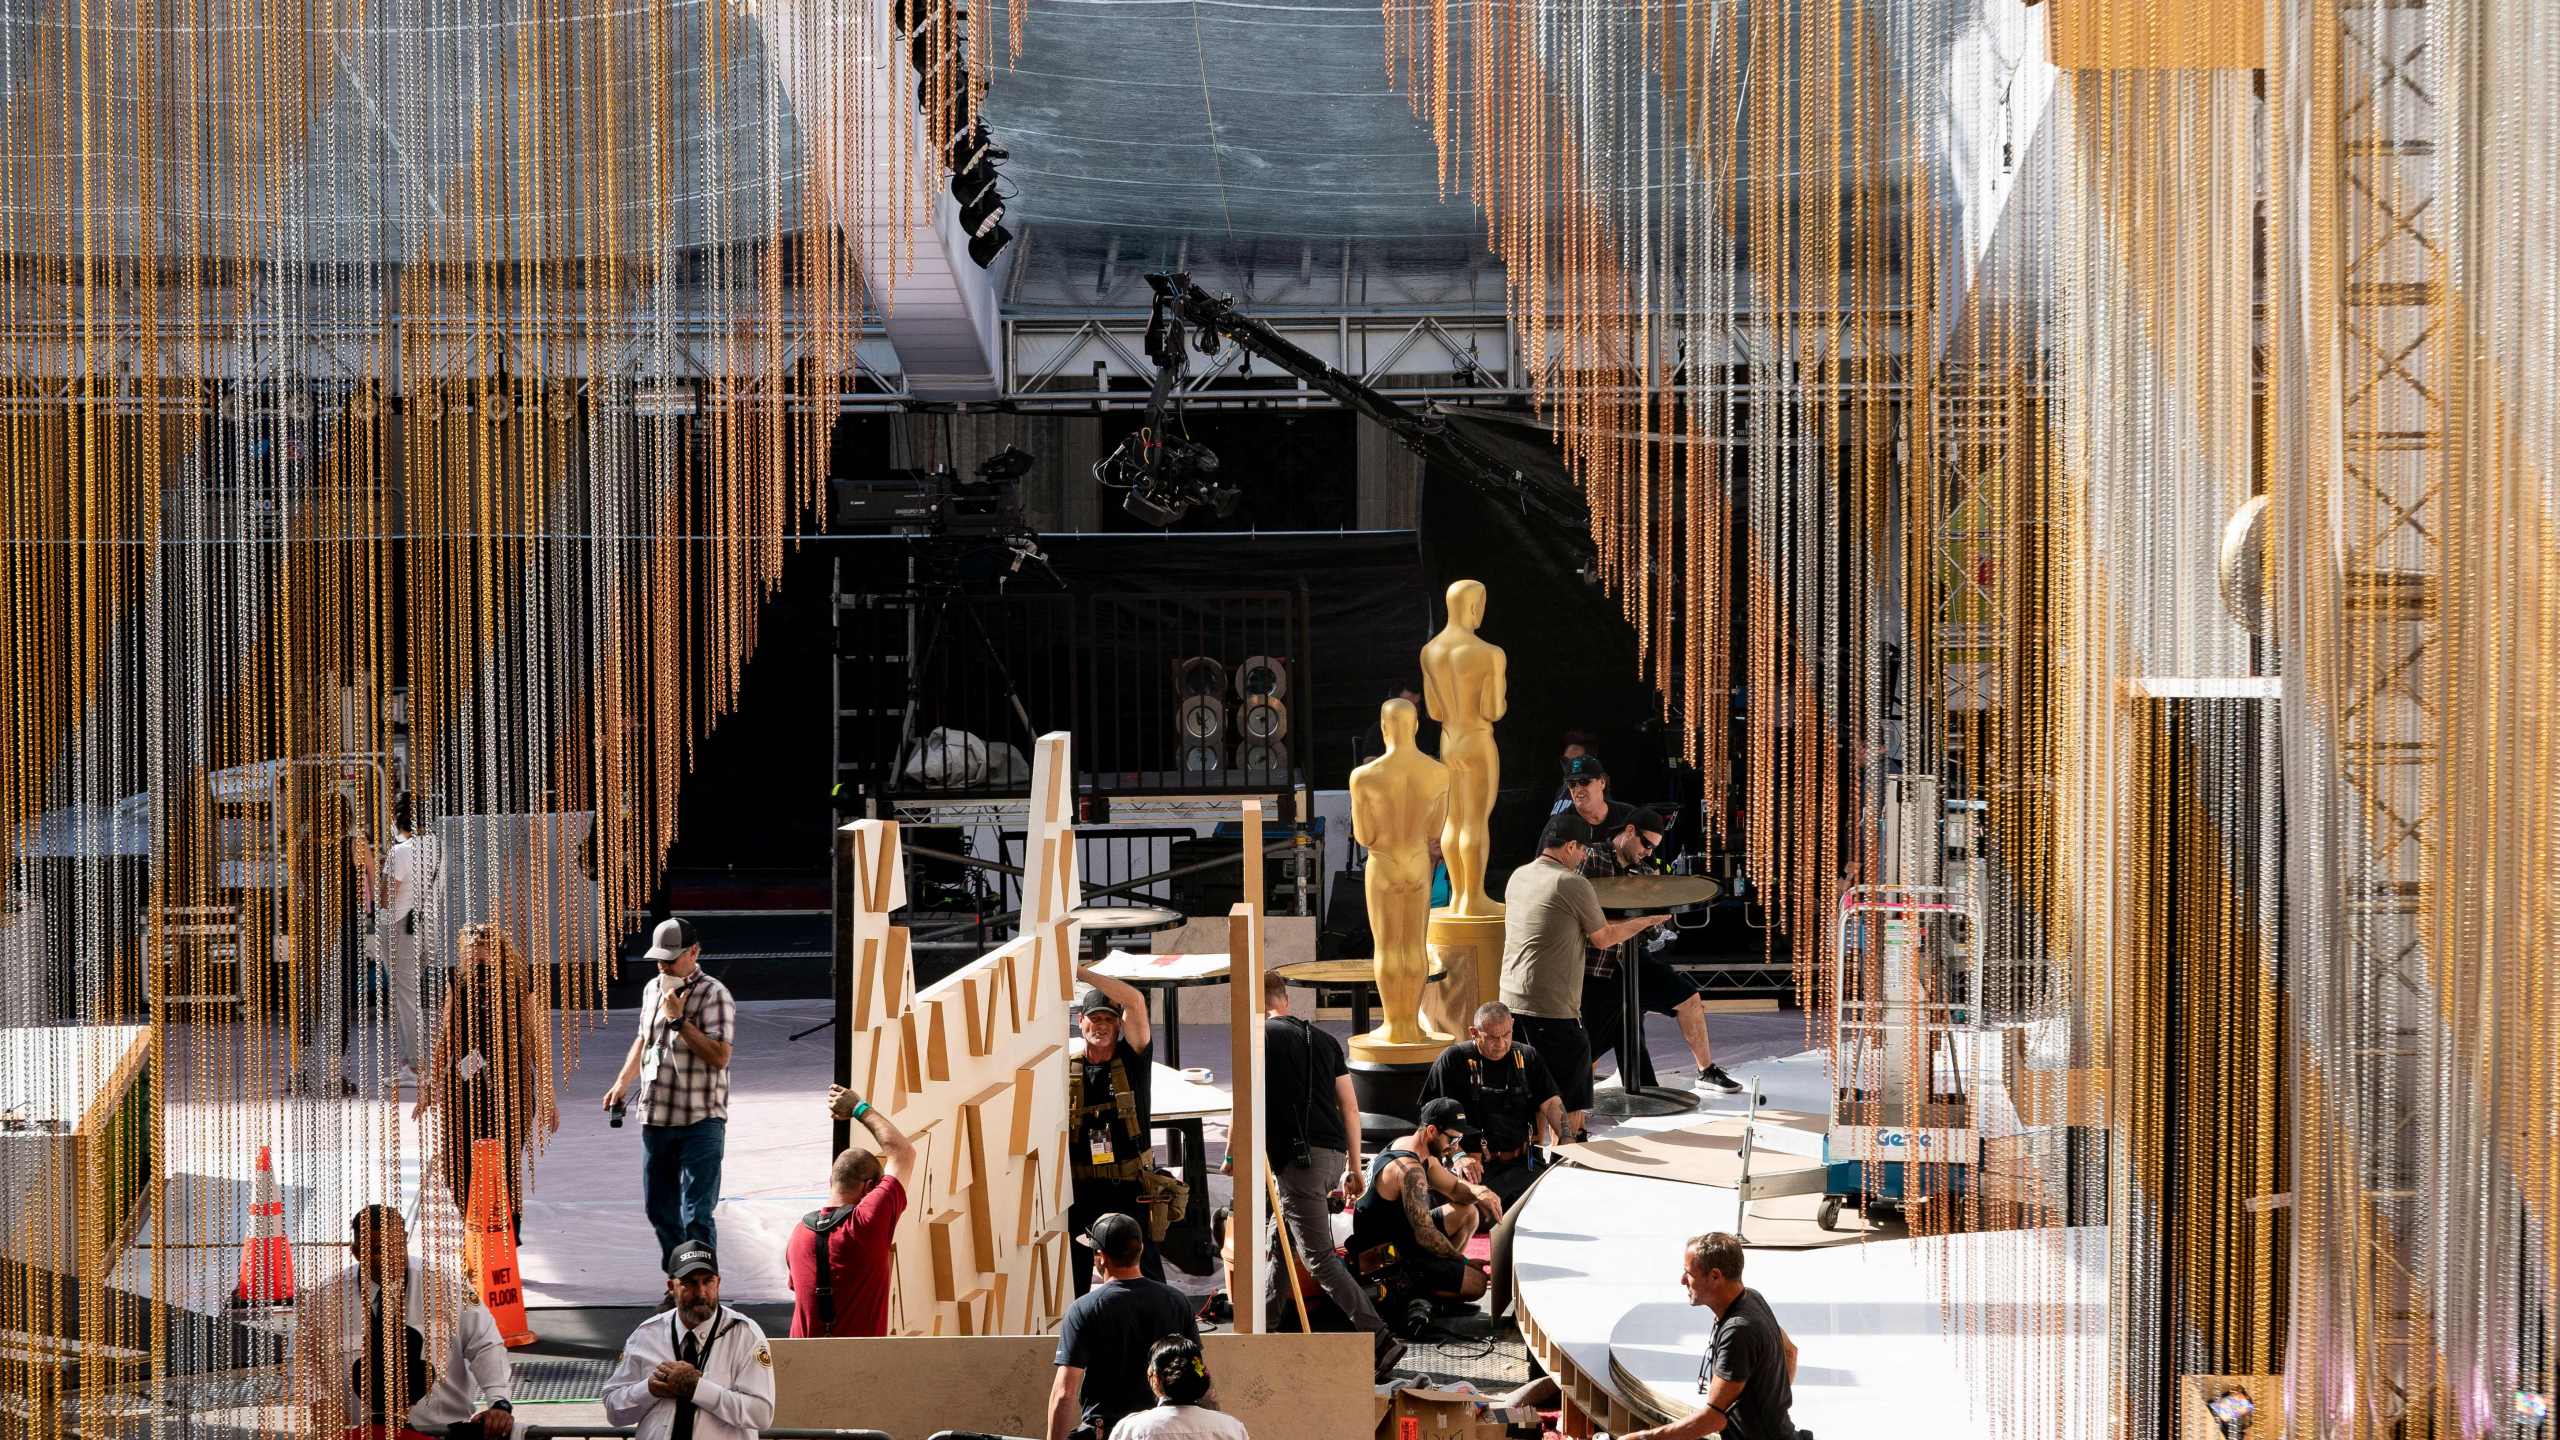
(1164, 969)
(1126, 919)
(1347, 971)
(1654, 894)
(1177, 1096)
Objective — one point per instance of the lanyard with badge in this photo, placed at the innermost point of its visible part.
(1102, 1146)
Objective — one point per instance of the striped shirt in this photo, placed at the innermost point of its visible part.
(688, 1089)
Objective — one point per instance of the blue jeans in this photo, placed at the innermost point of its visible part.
(681, 1180)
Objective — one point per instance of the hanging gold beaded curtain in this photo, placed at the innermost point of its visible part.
(399, 397)
(1681, 192)
(2413, 566)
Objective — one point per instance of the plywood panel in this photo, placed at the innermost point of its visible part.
(973, 1069)
(1283, 1387)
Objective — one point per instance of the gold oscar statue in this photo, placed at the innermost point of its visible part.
(1464, 681)
(1397, 801)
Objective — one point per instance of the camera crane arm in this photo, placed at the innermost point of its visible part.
(1425, 434)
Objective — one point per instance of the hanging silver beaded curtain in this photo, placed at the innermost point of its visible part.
(407, 396)
(1984, 334)
(2412, 575)
(1687, 196)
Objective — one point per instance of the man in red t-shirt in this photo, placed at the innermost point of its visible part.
(870, 1193)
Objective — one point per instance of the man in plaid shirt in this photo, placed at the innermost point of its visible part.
(680, 1062)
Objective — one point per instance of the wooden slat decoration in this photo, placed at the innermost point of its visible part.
(973, 1068)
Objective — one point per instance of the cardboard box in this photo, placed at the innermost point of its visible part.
(1421, 1413)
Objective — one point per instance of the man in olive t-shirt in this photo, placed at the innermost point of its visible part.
(1549, 913)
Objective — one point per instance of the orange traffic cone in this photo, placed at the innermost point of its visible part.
(489, 1244)
(266, 1261)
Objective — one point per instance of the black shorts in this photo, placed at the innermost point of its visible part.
(1437, 1276)
(1661, 989)
(1567, 1051)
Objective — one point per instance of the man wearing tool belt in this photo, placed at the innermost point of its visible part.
(1505, 1085)
(1110, 1139)
(1624, 841)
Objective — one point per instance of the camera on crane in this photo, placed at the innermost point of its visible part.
(1165, 472)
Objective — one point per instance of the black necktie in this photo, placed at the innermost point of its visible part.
(375, 1382)
(690, 1352)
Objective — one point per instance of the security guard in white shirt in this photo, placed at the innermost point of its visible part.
(701, 1371)
(412, 1358)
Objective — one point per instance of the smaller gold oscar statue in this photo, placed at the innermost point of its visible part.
(1398, 802)
(1465, 681)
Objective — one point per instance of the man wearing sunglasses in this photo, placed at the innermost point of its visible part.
(1624, 841)
(680, 1063)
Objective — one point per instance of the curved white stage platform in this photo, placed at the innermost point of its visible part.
(1596, 1262)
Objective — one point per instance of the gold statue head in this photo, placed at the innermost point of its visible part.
(1397, 722)
(1466, 603)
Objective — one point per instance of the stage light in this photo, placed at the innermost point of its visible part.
(972, 146)
(981, 211)
(986, 244)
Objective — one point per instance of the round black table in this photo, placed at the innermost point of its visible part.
(1355, 976)
(1622, 896)
(1106, 923)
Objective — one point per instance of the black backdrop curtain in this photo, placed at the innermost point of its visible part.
(1572, 654)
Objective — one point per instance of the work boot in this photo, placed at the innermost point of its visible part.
(1389, 1351)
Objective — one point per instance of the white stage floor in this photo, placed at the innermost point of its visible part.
(1597, 1270)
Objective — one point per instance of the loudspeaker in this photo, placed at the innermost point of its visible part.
(1263, 759)
(1203, 757)
(1199, 675)
(1262, 720)
(1201, 717)
(1262, 677)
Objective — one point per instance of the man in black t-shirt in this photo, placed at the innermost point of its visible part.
(1104, 1339)
(1504, 1084)
(1750, 1370)
(1311, 1136)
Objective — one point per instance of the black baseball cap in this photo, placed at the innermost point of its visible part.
(1584, 767)
(1652, 822)
(672, 938)
(1564, 828)
(692, 1258)
(1449, 1115)
(1115, 1235)
(1096, 998)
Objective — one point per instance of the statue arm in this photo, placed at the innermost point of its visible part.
(1499, 700)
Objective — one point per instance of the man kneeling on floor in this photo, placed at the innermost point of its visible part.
(1750, 1372)
(1505, 1085)
(1400, 1240)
